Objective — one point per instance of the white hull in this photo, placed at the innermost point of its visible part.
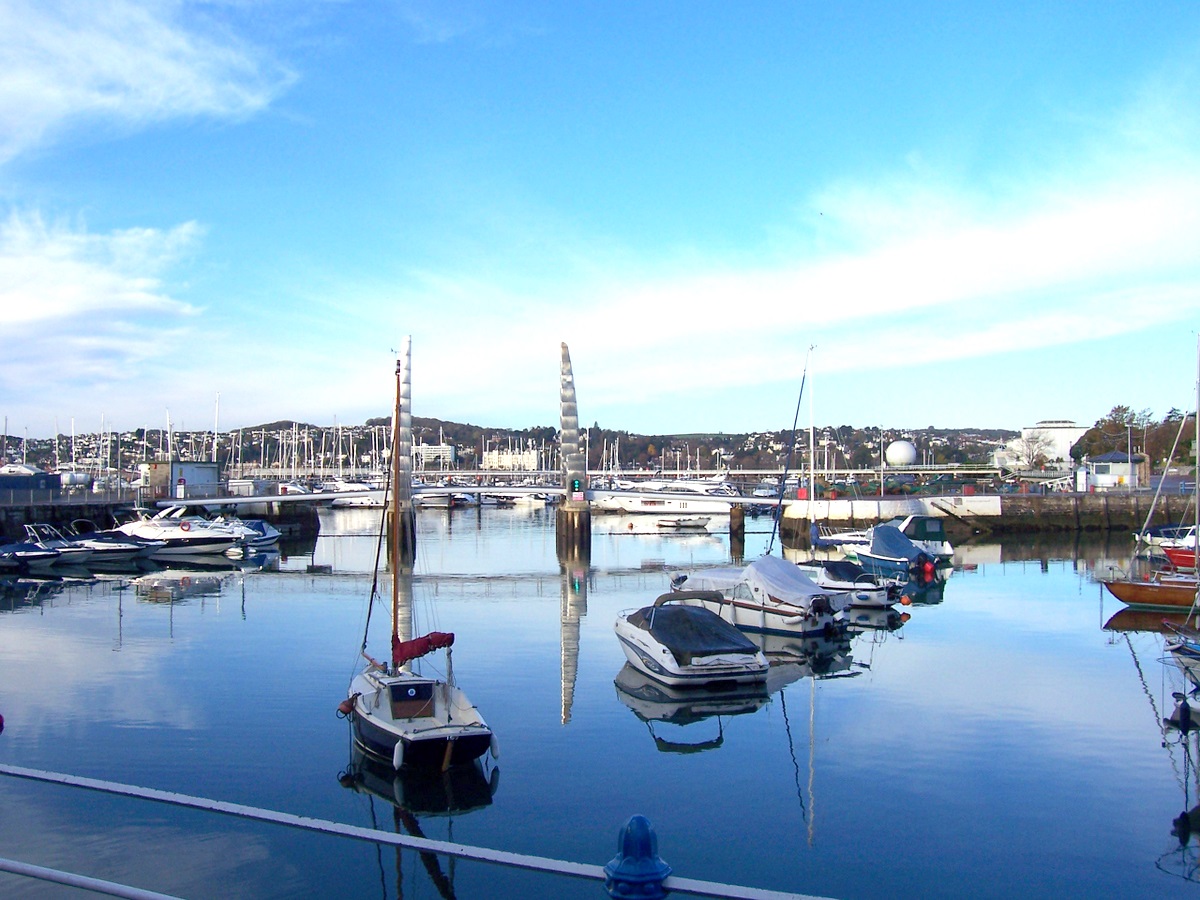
(617, 502)
(652, 659)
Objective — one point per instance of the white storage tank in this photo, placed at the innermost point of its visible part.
(901, 453)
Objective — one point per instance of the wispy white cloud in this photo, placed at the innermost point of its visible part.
(81, 306)
(123, 64)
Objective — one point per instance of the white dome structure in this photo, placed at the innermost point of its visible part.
(901, 453)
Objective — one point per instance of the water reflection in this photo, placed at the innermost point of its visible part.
(572, 609)
(414, 794)
(654, 702)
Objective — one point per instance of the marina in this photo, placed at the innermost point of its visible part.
(1041, 768)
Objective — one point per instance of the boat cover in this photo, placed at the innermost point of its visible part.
(889, 542)
(691, 631)
(769, 576)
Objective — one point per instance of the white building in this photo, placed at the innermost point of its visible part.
(433, 456)
(1113, 471)
(1051, 439)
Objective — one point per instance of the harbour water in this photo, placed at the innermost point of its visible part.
(1003, 742)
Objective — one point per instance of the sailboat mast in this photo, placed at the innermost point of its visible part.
(394, 533)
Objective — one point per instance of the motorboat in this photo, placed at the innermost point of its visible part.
(46, 537)
(864, 588)
(768, 595)
(24, 556)
(180, 536)
(927, 532)
(683, 523)
(891, 553)
(399, 715)
(254, 533)
(84, 531)
(667, 497)
(681, 645)
(70, 548)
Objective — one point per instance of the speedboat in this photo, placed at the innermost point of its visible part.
(24, 556)
(846, 575)
(255, 533)
(46, 537)
(181, 536)
(892, 554)
(769, 595)
(679, 644)
(70, 548)
(927, 532)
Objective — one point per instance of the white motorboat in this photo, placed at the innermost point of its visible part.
(683, 495)
(891, 554)
(684, 523)
(47, 538)
(681, 644)
(864, 588)
(769, 595)
(255, 533)
(180, 537)
(24, 556)
(397, 715)
(927, 532)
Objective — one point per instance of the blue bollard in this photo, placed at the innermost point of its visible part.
(636, 870)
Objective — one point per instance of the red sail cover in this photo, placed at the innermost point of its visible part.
(403, 651)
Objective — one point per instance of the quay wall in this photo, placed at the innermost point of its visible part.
(996, 514)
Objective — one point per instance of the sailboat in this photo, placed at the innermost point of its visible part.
(1163, 589)
(398, 715)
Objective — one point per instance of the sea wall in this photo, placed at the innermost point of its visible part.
(995, 514)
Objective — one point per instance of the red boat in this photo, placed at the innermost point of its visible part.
(1181, 557)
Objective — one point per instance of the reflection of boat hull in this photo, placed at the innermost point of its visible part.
(1137, 619)
(460, 789)
(653, 701)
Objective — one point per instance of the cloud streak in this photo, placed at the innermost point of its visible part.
(120, 63)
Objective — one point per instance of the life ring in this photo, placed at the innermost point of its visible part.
(186, 581)
(185, 526)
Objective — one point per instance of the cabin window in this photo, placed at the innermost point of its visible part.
(1102, 468)
(411, 700)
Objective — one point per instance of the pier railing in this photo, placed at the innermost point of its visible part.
(636, 870)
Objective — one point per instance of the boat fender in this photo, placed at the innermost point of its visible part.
(345, 709)
(906, 600)
(494, 746)
(398, 755)
(185, 526)
(2, 725)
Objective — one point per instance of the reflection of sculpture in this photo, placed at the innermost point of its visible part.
(572, 608)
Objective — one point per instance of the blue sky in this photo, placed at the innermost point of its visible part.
(978, 214)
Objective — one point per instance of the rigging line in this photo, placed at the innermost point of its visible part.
(787, 726)
(387, 488)
(1158, 719)
(812, 737)
(1158, 490)
(788, 459)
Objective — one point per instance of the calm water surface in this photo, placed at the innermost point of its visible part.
(1002, 743)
